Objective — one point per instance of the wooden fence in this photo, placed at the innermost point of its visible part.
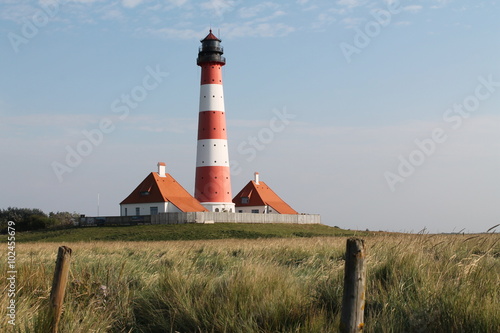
(201, 217)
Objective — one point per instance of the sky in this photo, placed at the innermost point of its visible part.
(379, 115)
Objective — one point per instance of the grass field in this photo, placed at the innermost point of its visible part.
(184, 232)
(416, 283)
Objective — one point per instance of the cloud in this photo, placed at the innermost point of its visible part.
(253, 29)
(403, 23)
(324, 19)
(247, 123)
(112, 14)
(177, 3)
(440, 3)
(174, 33)
(65, 128)
(327, 17)
(55, 126)
(478, 137)
(351, 3)
(481, 134)
(160, 125)
(413, 8)
(82, 1)
(131, 3)
(270, 17)
(352, 22)
(248, 12)
(18, 12)
(53, 120)
(218, 7)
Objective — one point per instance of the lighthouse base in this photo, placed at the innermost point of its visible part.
(219, 207)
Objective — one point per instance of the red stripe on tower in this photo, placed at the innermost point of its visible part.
(213, 181)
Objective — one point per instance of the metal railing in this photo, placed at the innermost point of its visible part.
(211, 49)
(210, 58)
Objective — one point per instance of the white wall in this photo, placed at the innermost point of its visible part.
(262, 209)
(144, 208)
(219, 206)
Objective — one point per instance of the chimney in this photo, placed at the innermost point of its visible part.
(256, 178)
(161, 169)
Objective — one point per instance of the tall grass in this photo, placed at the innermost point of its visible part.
(415, 283)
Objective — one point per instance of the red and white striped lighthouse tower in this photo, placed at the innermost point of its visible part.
(213, 181)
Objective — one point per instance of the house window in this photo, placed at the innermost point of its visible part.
(125, 211)
(137, 211)
(255, 211)
(153, 210)
(240, 211)
(244, 200)
(216, 210)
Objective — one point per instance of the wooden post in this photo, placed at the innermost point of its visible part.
(59, 286)
(353, 301)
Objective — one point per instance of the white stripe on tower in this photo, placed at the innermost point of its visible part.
(211, 97)
(213, 181)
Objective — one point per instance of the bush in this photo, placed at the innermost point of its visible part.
(34, 222)
(27, 219)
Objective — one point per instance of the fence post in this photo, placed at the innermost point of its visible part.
(59, 286)
(353, 301)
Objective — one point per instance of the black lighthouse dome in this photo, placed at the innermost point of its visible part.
(210, 50)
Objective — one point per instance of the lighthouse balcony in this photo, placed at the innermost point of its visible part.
(210, 58)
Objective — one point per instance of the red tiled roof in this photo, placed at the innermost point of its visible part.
(262, 195)
(163, 189)
(210, 36)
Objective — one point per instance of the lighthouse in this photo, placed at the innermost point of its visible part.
(213, 180)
